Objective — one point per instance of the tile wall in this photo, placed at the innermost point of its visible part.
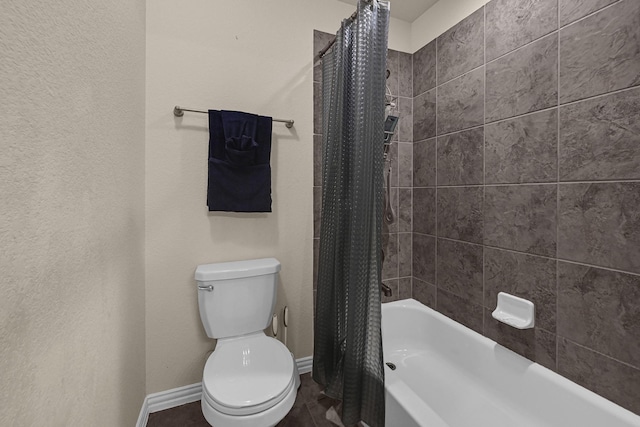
(526, 179)
(517, 169)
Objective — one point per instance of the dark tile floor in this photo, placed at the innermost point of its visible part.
(307, 411)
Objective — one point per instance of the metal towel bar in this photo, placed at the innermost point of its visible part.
(179, 112)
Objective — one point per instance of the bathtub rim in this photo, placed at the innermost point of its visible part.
(560, 381)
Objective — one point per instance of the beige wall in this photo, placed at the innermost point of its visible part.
(243, 55)
(72, 213)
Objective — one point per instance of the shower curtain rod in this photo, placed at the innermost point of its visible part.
(179, 112)
(325, 49)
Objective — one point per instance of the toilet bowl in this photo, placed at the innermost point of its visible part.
(250, 380)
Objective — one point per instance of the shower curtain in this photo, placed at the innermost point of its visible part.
(347, 337)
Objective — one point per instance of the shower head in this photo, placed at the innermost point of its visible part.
(390, 114)
(390, 124)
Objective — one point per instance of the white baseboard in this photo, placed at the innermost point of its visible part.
(190, 393)
(305, 364)
(168, 399)
(144, 415)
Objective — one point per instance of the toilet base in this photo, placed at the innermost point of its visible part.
(268, 418)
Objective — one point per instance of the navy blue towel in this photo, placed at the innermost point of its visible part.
(239, 156)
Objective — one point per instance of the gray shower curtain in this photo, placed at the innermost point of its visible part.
(347, 336)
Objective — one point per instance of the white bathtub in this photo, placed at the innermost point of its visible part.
(448, 375)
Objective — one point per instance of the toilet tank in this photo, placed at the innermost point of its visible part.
(237, 298)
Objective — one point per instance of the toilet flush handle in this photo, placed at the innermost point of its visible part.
(206, 288)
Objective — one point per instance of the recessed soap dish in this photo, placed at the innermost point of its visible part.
(517, 312)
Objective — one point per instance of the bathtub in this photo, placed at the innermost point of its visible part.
(450, 376)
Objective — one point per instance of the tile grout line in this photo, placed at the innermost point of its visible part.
(413, 148)
(448, 239)
(424, 140)
(551, 258)
(586, 16)
(518, 116)
(412, 182)
(549, 183)
(549, 34)
(460, 131)
(557, 263)
(602, 181)
(622, 362)
(435, 243)
(484, 156)
(601, 267)
(600, 95)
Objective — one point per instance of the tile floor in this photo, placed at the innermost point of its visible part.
(307, 411)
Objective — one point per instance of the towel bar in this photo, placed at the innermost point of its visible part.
(179, 112)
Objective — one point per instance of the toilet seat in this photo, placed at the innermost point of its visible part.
(247, 375)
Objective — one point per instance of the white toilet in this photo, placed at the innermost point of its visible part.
(250, 380)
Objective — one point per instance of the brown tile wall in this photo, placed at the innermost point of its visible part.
(517, 169)
(526, 179)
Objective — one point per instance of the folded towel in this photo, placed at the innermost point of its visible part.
(239, 156)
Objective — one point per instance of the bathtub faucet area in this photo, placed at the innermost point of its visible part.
(386, 290)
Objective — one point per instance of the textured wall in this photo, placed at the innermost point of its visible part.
(248, 56)
(526, 174)
(72, 213)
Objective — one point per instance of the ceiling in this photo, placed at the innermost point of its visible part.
(406, 10)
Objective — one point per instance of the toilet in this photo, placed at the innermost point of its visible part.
(250, 380)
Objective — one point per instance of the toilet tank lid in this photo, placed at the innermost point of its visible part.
(236, 269)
